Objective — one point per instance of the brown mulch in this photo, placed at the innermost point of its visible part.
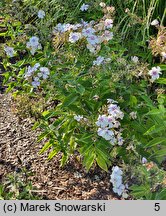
(19, 148)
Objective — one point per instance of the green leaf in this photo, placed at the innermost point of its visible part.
(161, 81)
(53, 153)
(148, 101)
(64, 160)
(102, 163)
(80, 89)
(133, 101)
(155, 141)
(140, 191)
(155, 129)
(42, 135)
(88, 160)
(45, 147)
(70, 99)
(161, 195)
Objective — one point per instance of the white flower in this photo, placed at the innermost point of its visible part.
(33, 44)
(110, 101)
(45, 72)
(155, 22)
(78, 117)
(144, 160)
(107, 35)
(120, 140)
(9, 51)
(104, 121)
(88, 31)
(108, 23)
(76, 26)
(93, 40)
(119, 190)
(84, 7)
(163, 54)
(116, 170)
(41, 14)
(105, 133)
(36, 82)
(91, 48)
(98, 61)
(74, 36)
(113, 109)
(34, 41)
(102, 4)
(36, 66)
(133, 115)
(134, 59)
(155, 73)
(116, 180)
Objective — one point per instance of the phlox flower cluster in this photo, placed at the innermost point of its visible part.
(108, 124)
(36, 74)
(93, 33)
(116, 180)
(33, 44)
(155, 73)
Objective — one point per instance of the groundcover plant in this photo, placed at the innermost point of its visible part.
(97, 70)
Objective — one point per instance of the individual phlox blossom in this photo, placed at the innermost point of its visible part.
(9, 51)
(104, 121)
(99, 61)
(74, 37)
(76, 26)
(120, 139)
(59, 28)
(107, 35)
(105, 133)
(116, 180)
(134, 59)
(44, 72)
(93, 39)
(41, 14)
(88, 31)
(108, 23)
(155, 73)
(155, 22)
(144, 160)
(78, 117)
(34, 41)
(84, 23)
(91, 48)
(110, 101)
(33, 44)
(84, 7)
(36, 82)
(102, 4)
(30, 70)
(133, 115)
(115, 111)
